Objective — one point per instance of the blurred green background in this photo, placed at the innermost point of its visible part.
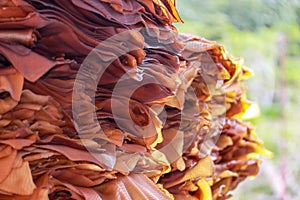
(266, 33)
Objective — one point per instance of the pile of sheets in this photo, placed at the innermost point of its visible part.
(106, 100)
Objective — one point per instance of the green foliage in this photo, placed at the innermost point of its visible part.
(251, 29)
(251, 15)
(293, 72)
(272, 112)
(297, 12)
